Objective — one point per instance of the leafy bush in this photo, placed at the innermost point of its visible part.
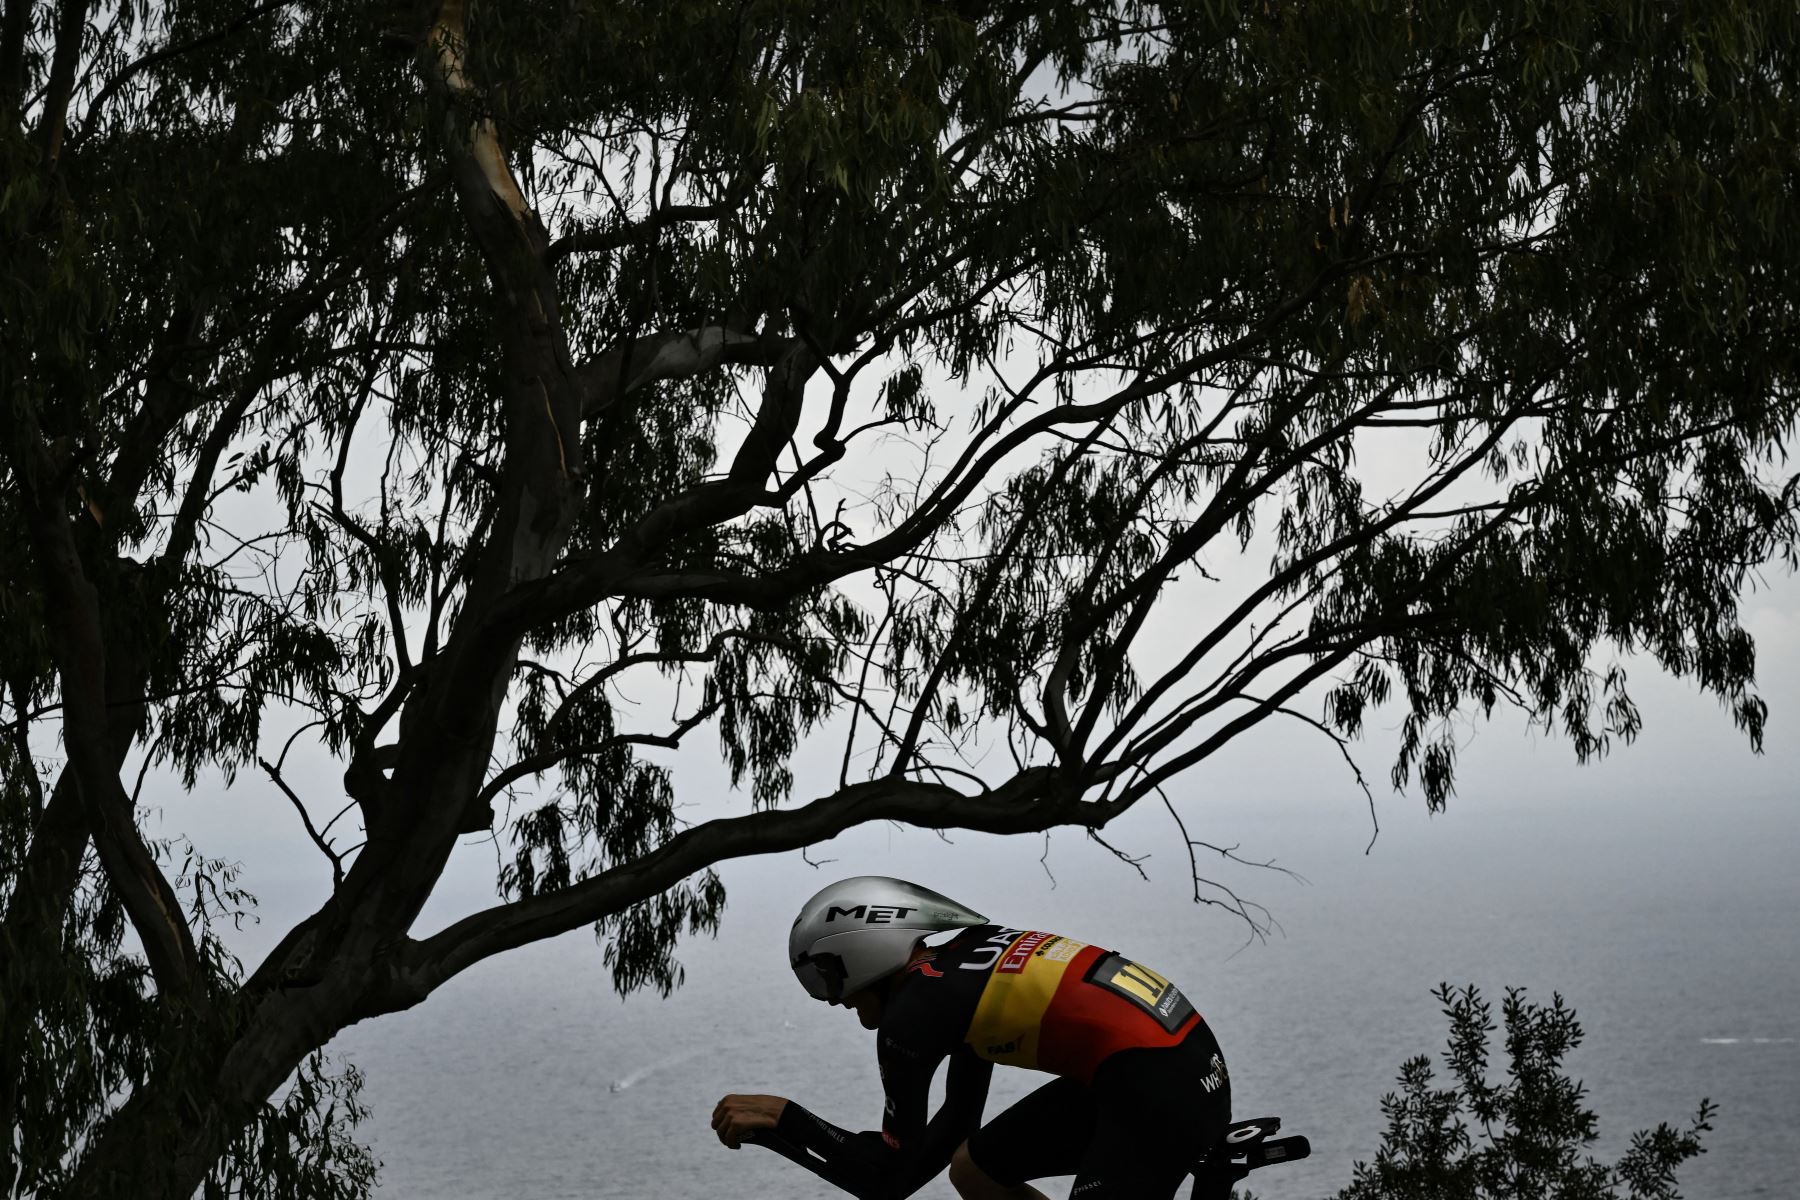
(1524, 1138)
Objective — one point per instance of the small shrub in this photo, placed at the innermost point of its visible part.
(1525, 1137)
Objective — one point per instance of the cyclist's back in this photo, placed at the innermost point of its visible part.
(1034, 999)
(1142, 1088)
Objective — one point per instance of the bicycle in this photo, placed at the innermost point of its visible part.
(1247, 1146)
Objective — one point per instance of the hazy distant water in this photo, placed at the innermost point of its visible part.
(1672, 931)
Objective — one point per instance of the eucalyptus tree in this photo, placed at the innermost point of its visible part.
(408, 381)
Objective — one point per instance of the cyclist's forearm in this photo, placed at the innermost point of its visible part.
(863, 1164)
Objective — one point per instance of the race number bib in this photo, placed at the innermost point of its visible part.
(1144, 988)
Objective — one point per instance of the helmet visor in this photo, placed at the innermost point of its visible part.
(822, 975)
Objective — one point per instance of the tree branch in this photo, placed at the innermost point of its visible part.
(71, 25)
(13, 23)
(318, 839)
(1155, 776)
(1292, 572)
(79, 649)
(682, 354)
(1259, 927)
(626, 661)
(1031, 801)
(537, 764)
(593, 240)
(1343, 748)
(378, 550)
(162, 411)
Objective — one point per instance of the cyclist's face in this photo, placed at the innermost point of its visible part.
(867, 1004)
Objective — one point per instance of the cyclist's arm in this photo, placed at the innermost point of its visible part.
(909, 1151)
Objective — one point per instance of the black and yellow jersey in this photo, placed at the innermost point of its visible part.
(1044, 1001)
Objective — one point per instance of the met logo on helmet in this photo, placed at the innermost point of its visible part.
(870, 914)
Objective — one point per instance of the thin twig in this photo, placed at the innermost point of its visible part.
(1135, 863)
(1343, 745)
(337, 862)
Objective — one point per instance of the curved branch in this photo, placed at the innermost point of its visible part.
(79, 650)
(1292, 573)
(591, 240)
(71, 26)
(1155, 776)
(318, 839)
(681, 354)
(1343, 747)
(537, 764)
(1033, 800)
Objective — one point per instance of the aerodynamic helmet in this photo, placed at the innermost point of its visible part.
(861, 929)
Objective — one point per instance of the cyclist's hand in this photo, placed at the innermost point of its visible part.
(734, 1117)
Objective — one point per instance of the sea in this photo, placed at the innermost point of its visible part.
(1665, 914)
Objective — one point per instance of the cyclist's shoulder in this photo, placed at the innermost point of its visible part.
(962, 945)
(942, 977)
(993, 951)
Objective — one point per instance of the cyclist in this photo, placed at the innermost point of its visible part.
(1141, 1089)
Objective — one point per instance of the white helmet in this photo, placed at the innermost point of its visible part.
(861, 929)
